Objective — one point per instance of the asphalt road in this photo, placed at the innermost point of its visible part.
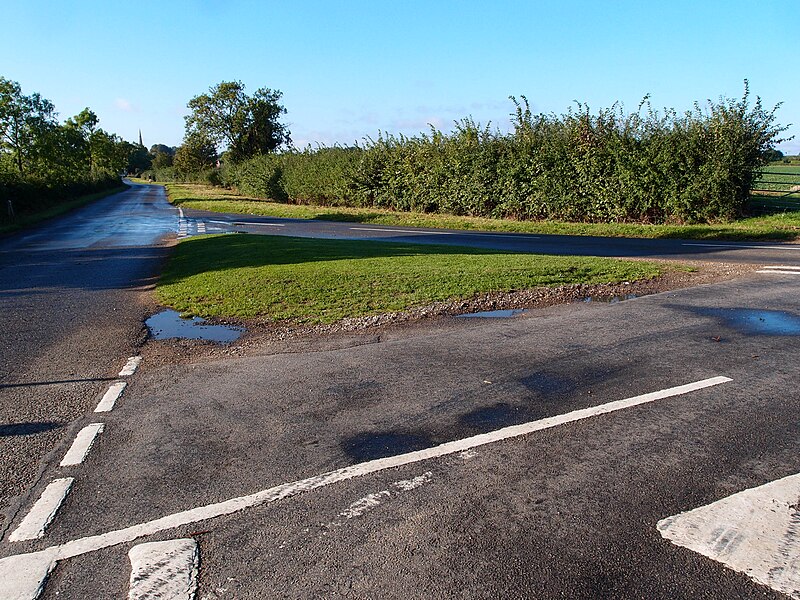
(72, 296)
(713, 251)
(566, 512)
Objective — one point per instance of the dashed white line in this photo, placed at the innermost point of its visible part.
(164, 570)
(112, 538)
(42, 512)
(756, 532)
(131, 366)
(82, 444)
(110, 397)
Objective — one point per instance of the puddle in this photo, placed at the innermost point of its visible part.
(495, 417)
(611, 299)
(169, 324)
(369, 446)
(493, 314)
(763, 322)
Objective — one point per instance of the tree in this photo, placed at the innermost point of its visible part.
(196, 154)
(244, 125)
(26, 123)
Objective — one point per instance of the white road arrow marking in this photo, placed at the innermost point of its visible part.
(756, 532)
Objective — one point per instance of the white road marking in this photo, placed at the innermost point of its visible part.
(111, 396)
(778, 272)
(370, 501)
(788, 267)
(131, 366)
(165, 570)
(82, 444)
(365, 504)
(756, 532)
(287, 490)
(745, 246)
(42, 512)
(468, 233)
(23, 577)
(180, 212)
(248, 223)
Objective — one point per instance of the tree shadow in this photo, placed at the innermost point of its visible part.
(206, 254)
(16, 429)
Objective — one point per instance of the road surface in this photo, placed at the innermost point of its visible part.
(543, 456)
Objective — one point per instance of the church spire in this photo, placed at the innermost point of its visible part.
(140, 139)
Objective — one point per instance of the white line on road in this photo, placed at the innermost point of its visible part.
(247, 223)
(778, 272)
(789, 267)
(111, 396)
(756, 532)
(286, 490)
(164, 570)
(745, 246)
(82, 444)
(42, 512)
(466, 233)
(131, 366)
(180, 212)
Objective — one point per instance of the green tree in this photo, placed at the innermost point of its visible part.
(26, 124)
(197, 154)
(244, 125)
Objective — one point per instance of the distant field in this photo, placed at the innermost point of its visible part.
(778, 189)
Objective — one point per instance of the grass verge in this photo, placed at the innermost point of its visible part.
(782, 226)
(322, 281)
(54, 211)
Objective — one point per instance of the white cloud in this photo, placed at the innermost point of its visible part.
(124, 105)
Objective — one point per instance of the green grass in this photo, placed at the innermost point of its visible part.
(783, 226)
(28, 220)
(322, 281)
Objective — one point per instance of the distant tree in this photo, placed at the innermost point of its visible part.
(139, 158)
(162, 148)
(244, 125)
(197, 153)
(162, 159)
(773, 155)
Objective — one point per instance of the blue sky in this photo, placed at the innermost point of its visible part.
(348, 69)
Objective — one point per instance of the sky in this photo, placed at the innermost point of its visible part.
(350, 69)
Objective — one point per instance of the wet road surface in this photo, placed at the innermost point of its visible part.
(72, 298)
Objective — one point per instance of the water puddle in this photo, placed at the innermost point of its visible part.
(760, 322)
(369, 446)
(495, 417)
(493, 314)
(610, 299)
(169, 324)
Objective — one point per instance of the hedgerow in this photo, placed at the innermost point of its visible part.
(646, 166)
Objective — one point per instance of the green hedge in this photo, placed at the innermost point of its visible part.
(696, 166)
(30, 195)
